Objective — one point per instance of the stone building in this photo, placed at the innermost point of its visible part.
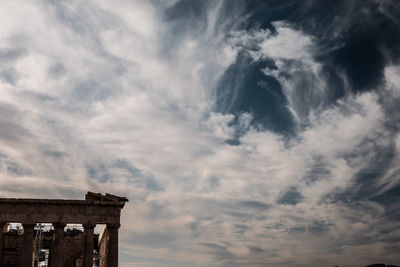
(71, 248)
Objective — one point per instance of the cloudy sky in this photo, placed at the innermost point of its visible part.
(244, 133)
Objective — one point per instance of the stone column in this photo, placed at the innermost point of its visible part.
(88, 244)
(57, 257)
(26, 258)
(112, 259)
(2, 224)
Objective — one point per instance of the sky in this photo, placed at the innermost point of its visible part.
(244, 133)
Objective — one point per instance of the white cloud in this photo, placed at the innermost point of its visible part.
(104, 101)
(392, 77)
(287, 44)
(292, 51)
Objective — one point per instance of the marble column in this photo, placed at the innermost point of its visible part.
(57, 257)
(2, 224)
(26, 259)
(88, 244)
(112, 257)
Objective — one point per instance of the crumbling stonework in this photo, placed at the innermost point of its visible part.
(66, 249)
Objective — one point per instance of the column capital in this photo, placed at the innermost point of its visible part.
(113, 225)
(89, 225)
(28, 225)
(59, 225)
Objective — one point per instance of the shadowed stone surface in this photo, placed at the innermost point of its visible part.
(95, 209)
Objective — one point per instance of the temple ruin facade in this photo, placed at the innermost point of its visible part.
(66, 248)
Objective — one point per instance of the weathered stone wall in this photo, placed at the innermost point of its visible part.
(73, 247)
(11, 247)
(66, 249)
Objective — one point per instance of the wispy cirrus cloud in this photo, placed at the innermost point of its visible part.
(141, 99)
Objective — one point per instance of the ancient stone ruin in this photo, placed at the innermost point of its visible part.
(71, 248)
